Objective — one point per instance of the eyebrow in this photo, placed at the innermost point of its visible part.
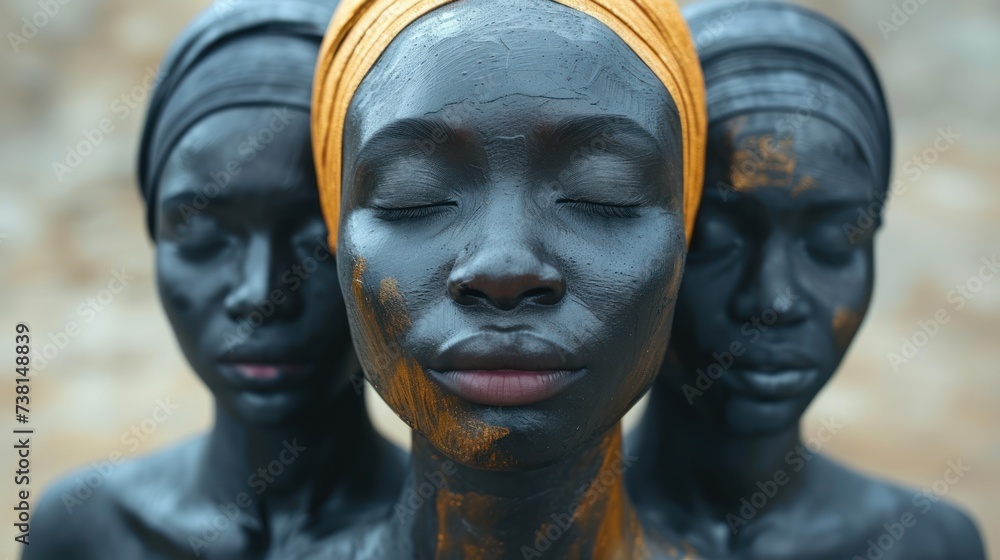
(612, 134)
(411, 134)
(226, 196)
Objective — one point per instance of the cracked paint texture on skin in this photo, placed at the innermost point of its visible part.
(382, 320)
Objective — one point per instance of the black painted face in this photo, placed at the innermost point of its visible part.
(243, 268)
(511, 228)
(779, 274)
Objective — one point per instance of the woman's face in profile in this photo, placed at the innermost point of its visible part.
(779, 275)
(243, 269)
(512, 237)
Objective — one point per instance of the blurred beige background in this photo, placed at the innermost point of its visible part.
(63, 236)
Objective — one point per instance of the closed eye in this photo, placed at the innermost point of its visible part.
(603, 209)
(412, 212)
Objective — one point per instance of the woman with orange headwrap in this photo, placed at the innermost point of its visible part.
(509, 185)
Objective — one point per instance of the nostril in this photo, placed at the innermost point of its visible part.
(537, 293)
(466, 295)
(544, 295)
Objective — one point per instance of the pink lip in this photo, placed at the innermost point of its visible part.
(507, 387)
(265, 371)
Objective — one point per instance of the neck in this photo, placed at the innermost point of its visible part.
(699, 465)
(576, 508)
(293, 467)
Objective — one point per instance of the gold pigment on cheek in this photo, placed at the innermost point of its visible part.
(404, 386)
(845, 325)
(805, 183)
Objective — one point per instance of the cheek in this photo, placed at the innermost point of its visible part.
(841, 299)
(380, 321)
(637, 305)
(705, 297)
(179, 295)
(845, 324)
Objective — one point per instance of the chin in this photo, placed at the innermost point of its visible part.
(530, 437)
(750, 417)
(268, 410)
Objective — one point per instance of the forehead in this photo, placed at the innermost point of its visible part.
(781, 156)
(257, 149)
(479, 61)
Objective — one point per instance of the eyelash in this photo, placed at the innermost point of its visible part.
(201, 247)
(604, 210)
(412, 212)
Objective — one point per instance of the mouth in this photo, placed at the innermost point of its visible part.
(505, 368)
(262, 376)
(771, 382)
(507, 387)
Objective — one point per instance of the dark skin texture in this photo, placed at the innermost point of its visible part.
(774, 284)
(259, 238)
(530, 216)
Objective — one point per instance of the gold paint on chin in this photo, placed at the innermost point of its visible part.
(845, 325)
(404, 385)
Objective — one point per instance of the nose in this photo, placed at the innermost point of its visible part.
(256, 285)
(770, 288)
(506, 275)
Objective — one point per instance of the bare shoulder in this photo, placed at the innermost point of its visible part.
(948, 532)
(912, 524)
(92, 511)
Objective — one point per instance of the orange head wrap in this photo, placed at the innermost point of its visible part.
(361, 31)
